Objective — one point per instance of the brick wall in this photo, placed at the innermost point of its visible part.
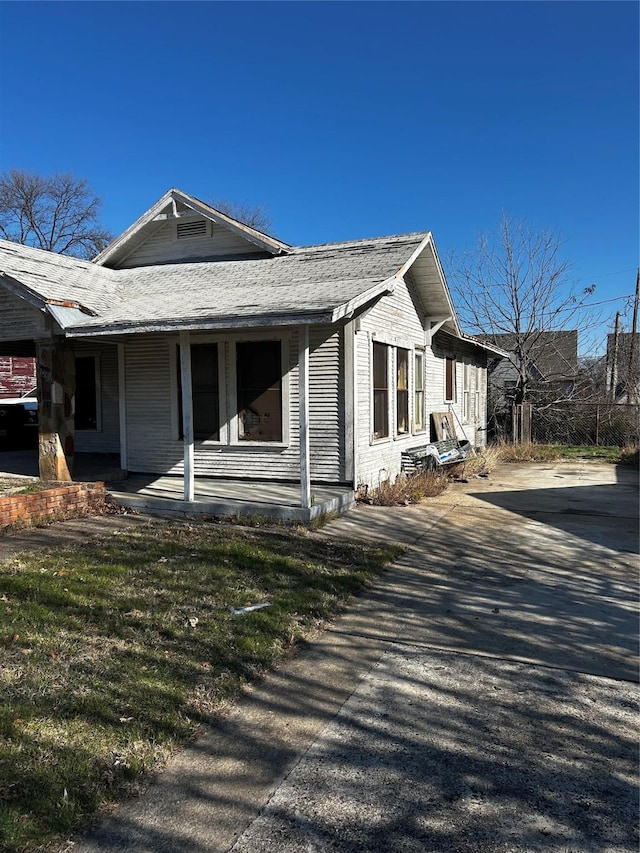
(59, 501)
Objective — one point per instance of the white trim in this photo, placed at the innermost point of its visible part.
(350, 397)
(122, 405)
(250, 337)
(303, 413)
(187, 415)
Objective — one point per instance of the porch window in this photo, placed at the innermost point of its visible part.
(418, 392)
(450, 379)
(205, 392)
(380, 391)
(259, 390)
(402, 391)
(86, 396)
(477, 412)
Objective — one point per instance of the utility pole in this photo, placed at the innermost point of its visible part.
(632, 380)
(614, 359)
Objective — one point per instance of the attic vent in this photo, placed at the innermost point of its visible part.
(195, 228)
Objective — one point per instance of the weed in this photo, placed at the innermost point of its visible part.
(406, 489)
(114, 653)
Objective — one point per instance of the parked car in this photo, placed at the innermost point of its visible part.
(19, 421)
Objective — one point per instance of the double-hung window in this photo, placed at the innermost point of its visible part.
(380, 390)
(205, 392)
(466, 391)
(418, 391)
(402, 391)
(259, 390)
(450, 379)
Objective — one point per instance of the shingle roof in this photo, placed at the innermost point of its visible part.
(311, 280)
(554, 353)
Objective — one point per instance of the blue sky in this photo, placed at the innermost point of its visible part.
(347, 120)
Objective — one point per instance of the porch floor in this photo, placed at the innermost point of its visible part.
(162, 495)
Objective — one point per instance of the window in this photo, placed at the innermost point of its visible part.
(466, 389)
(205, 393)
(380, 391)
(402, 391)
(477, 412)
(259, 390)
(86, 397)
(418, 392)
(450, 379)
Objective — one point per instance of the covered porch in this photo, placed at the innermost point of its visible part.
(163, 495)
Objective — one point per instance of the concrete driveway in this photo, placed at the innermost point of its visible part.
(482, 696)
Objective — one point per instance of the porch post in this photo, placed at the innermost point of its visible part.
(57, 385)
(187, 414)
(122, 407)
(303, 383)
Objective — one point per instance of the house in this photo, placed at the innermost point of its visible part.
(197, 347)
(549, 363)
(17, 375)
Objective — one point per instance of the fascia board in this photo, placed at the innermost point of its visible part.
(133, 229)
(429, 242)
(263, 241)
(347, 309)
(17, 288)
(194, 325)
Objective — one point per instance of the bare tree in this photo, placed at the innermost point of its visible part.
(254, 215)
(513, 290)
(57, 212)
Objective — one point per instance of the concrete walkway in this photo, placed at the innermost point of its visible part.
(480, 697)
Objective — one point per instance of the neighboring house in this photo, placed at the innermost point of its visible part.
(551, 365)
(195, 345)
(17, 375)
(623, 368)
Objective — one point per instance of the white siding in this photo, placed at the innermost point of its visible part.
(326, 404)
(107, 438)
(161, 246)
(394, 321)
(19, 319)
(152, 440)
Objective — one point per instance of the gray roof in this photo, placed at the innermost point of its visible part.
(552, 354)
(311, 284)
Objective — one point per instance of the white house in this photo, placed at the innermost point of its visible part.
(197, 347)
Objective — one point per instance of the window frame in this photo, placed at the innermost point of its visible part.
(466, 392)
(228, 389)
(177, 391)
(418, 428)
(384, 390)
(450, 370)
(406, 393)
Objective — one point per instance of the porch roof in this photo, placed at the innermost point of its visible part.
(310, 284)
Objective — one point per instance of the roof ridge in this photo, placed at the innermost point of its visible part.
(413, 235)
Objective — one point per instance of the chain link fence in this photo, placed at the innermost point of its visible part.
(575, 424)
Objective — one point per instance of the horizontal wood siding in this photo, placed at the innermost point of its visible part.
(474, 429)
(18, 319)
(394, 320)
(152, 443)
(163, 247)
(107, 438)
(326, 404)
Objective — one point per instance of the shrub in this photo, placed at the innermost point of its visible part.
(406, 489)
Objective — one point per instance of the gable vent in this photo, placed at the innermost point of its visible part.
(195, 228)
